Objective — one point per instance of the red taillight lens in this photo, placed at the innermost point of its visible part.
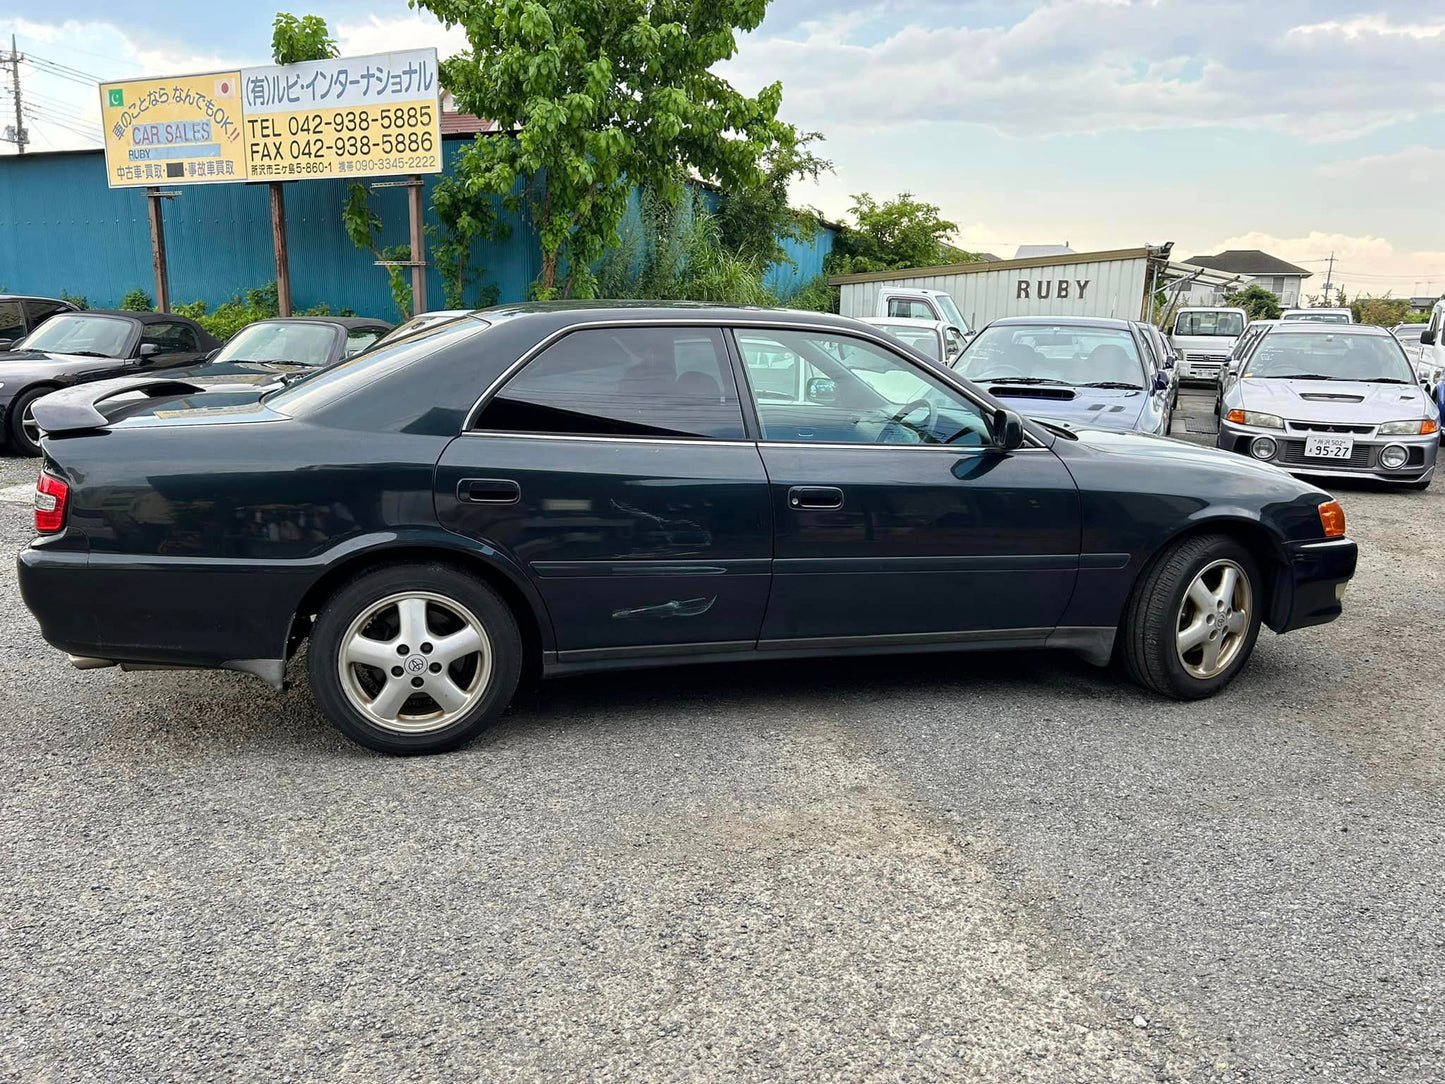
(51, 495)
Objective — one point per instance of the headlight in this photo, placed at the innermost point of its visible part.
(1414, 428)
(1253, 417)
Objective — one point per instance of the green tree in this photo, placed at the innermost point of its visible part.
(1257, 301)
(137, 301)
(1384, 311)
(294, 40)
(675, 251)
(465, 216)
(901, 232)
(598, 96)
(755, 219)
(362, 224)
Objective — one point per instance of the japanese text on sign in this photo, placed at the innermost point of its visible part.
(353, 117)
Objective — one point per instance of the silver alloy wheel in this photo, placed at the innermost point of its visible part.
(28, 423)
(1214, 619)
(431, 668)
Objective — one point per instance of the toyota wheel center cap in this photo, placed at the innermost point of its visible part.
(415, 664)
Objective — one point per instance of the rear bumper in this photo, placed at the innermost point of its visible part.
(1313, 583)
(141, 611)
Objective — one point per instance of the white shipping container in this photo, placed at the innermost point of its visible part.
(1111, 283)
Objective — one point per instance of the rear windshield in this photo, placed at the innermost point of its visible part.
(1209, 323)
(924, 339)
(322, 387)
(1326, 356)
(1317, 317)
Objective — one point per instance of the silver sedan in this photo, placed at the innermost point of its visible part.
(1341, 401)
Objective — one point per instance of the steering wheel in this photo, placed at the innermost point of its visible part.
(909, 408)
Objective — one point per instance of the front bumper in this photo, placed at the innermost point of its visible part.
(1313, 583)
(1202, 367)
(1364, 462)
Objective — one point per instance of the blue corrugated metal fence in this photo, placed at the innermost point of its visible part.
(62, 229)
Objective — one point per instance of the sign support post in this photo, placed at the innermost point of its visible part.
(158, 248)
(278, 239)
(418, 247)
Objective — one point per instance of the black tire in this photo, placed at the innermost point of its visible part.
(1150, 626)
(364, 592)
(15, 435)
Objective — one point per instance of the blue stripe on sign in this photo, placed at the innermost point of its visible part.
(185, 150)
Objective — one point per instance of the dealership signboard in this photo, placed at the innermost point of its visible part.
(369, 116)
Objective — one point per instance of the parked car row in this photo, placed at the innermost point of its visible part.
(68, 347)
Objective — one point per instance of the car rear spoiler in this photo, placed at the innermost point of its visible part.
(74, 410)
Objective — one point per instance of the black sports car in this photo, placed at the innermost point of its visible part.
(75, 347)
(268, 352)
(559, 488)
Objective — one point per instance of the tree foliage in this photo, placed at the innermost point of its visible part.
(901, 232)
(257, 303)
(362, 225)
(294, 40)
(755, 219)
(1260, 303)
(466, 216)
(597, 96)
(137, 301)
(1384, 311)
(674, 251)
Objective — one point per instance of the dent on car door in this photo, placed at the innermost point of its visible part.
(897, 519)
(614, 469)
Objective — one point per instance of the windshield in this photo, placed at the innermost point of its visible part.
(104, 336)
(950, 311)
(1054, 354)
(1209, 322)
(1326, 356)
(1318, 317)
(922, 339)
(293, 344)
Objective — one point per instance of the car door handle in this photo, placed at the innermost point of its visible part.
(489, 491)
(815, 498)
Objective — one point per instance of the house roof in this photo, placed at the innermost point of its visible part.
(465, 124)
(1249, 261)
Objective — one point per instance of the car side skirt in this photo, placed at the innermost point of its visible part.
(1094, 644)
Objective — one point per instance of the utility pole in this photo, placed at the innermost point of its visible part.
(17, 135)
(1329, 279)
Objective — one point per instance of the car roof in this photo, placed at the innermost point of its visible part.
(1063, 321)
(140, 317)
(348, 322)
(1312, 327)
(566, 313)
(33, 297)
(906, 321)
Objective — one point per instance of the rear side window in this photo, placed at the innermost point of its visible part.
(636, 382)
(12, 322)
(359, 339)
(39, 311)
(171, 338)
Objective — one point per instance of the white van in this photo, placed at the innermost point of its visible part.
(1432, 344)
(1204, 338)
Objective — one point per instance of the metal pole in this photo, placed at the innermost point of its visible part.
(278, 240)
(418, 248)
(15, 86)
(158, 250)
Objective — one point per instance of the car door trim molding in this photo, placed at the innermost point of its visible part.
(784, 566)
(742, 566)
(720, 443)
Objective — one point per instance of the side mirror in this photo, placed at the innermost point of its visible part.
(1008, 430)
(821, 389)
(148, 350)
(1427, 338)
(5, 343)
(1161, 381)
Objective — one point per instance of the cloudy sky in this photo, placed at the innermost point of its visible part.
(1302, 128)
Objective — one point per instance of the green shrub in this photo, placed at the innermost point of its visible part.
(258, 303)
(137, 301)
(80, 301)
(815, 295)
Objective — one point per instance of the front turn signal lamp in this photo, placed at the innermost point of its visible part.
(1412, 428)
(1254, 418)
(1332, 519)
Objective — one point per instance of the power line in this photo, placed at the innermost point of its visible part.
(36, 58)
(75, 128)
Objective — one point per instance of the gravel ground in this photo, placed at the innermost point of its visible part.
(994, 868)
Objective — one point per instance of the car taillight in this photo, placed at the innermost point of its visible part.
(1332, 519)
(50, 497)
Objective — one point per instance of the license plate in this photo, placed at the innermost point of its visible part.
(1329, 447)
